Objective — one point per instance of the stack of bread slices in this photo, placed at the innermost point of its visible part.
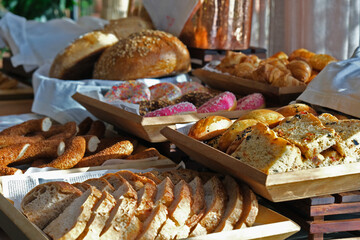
(154, 205)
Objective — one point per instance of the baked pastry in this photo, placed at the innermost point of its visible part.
(141, 55)
(293, 109)
(209, 127)
(123, 27)
(77, 60)
(266, 116)
(196, 98)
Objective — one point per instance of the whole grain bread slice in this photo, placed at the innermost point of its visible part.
(72, 221)
(46, 201)
(215, 199)
(234, 206)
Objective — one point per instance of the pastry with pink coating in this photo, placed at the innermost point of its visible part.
(187, 87)
(183, 107)
(165, 91)
(129, 91)
(251, 102)
(225, 101)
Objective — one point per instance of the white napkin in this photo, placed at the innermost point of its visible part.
(173, 14)
(337, 87)
(35, 43)
(52, 97)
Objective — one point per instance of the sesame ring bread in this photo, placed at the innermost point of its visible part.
(77, 60)
(149, 53)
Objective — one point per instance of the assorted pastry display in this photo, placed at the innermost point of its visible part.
(293, 137)
(165, 99)
(40, 143)
(173, 204)
(279, 70)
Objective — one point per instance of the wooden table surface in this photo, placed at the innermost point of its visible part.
(10, 107)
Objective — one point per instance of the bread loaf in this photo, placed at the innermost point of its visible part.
(77, 60)
(209, 127)
(142, 55)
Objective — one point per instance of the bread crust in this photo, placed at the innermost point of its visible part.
(144, 54)
(209, 127)
(293, 109)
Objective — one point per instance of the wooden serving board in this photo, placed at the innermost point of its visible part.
(21, 92)
(275, 187)
(147, 128)
(243, 86)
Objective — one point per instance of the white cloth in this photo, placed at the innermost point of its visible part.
(33, 44)
(53, 97)
(337, 87)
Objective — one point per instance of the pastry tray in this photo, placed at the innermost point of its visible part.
(243, 86)
(275, 187)
(147, 128)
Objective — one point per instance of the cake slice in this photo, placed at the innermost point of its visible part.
(262, 149)
(308, 133)
(72, 221)
(215, 199)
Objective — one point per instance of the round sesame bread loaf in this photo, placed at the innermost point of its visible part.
(77, 60)
(144, 54)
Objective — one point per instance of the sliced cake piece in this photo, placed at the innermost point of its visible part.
(250, 208)
(349, 132)
(215, 199)
(234, 206)
(46, 201)
(331, 158)
(178, 212)
(265, 151)
(101, 184)
(327, 118)
(72, 221)
(99, 216)
(308, 133)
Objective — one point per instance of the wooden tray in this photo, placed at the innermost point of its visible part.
(269, 225)
(21, 92)
(276, 187)
(243, 86)
(147, 128)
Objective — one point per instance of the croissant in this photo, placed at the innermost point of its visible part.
(319, 61)
(244, 70)
(286, 80)
(301, 53)
(280, 55)
(262, 73)
(300, 70)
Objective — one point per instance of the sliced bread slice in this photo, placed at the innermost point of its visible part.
(99, 215)
(135, 180)
(72, 221)
(114, 179)
(46, 201)
(265, 151)
(83, 187)
(250, 208)
(178, 212)
(234, 206)
(101, 184)
(215, 199)
(151, 176)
